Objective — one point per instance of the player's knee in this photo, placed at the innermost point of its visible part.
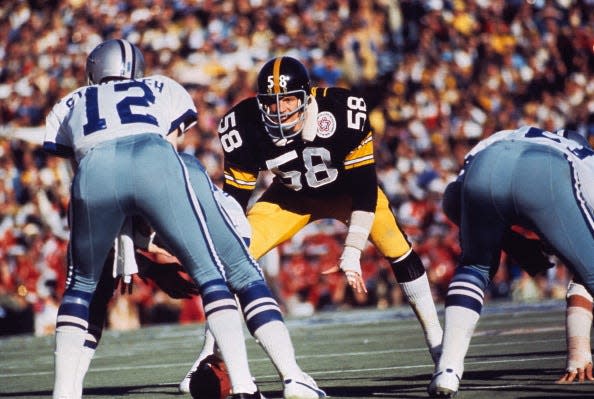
(408, 268)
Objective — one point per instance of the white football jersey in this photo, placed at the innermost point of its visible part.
(94, 114)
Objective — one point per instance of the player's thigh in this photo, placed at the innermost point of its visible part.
(486, 207)
(385, 233)
(173, 210)
(95, 220)
(272, 223)
(240, 268)
(559, 211)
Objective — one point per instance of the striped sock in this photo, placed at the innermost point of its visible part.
(265, 322)
(464, 303)
(224, 321)
(71, 330)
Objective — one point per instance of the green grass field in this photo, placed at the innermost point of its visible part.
(518, 351)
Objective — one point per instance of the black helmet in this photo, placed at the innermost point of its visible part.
(114, 59)
(282, 77)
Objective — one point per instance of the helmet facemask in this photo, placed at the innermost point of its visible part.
(277, 128)
(280, 81)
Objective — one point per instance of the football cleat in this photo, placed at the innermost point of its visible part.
(210, 380)
(184, 385)
(305, 388)
(444, 384)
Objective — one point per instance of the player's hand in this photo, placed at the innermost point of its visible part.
(167, 276)
(159, 255)
(582, 375)
(125, 288)
(350, 264)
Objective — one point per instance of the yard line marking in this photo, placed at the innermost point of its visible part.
(153, 366)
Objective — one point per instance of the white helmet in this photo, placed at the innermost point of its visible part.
(114, 59)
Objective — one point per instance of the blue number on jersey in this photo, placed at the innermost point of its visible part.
(536, 132)
(124, 107)
(94, 122)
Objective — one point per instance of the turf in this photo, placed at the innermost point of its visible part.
(518, 351)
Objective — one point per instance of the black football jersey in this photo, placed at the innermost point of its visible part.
(343, 142)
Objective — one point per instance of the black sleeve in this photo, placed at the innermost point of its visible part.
(362, 186)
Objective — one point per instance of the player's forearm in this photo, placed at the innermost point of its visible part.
(358, 231)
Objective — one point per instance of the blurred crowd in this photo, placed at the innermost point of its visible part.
(438, 75)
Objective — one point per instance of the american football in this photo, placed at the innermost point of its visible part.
(210, 380)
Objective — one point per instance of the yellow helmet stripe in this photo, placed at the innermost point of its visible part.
(276, 75)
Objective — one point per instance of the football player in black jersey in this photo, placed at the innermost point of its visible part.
(318, 143)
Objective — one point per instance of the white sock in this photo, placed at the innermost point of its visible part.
(227, 328)
(84, 362)
(69, 343)
(419, 296)
(276, 341)
(208, 348)
(460, 323)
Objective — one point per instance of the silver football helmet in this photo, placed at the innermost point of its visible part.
(114, 59)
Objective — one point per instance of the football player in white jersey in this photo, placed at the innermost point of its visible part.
(528, 177)
(122, 131)
(534, 257)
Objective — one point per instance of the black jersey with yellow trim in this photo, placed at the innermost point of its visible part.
(343, 142)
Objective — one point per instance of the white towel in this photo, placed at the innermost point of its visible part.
(310, 125)
(124, 263)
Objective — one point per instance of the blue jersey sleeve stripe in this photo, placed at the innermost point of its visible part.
(185, 121)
